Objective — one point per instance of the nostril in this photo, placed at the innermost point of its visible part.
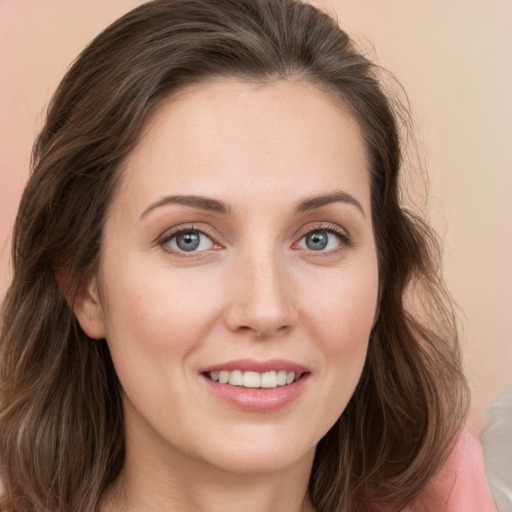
(270, 332)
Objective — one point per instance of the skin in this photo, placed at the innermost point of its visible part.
(254, 289)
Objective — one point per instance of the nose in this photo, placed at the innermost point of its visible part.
(262, 298)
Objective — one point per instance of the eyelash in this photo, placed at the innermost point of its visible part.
(345, 239)
(169, 236)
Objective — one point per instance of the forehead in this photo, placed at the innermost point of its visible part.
(234, 137)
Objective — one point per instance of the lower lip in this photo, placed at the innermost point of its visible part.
(258, 399)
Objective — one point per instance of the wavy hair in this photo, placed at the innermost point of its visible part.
(61, 417)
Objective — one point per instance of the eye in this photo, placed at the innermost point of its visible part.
(322, 240)
(188, 240)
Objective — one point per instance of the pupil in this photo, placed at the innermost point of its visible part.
(317, 241)
(188, 241)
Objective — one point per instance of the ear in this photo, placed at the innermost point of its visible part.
(88, 309)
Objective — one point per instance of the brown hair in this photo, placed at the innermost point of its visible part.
(61, 418)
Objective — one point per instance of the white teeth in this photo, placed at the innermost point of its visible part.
(236, 378)
(270, 379)
(252, 380)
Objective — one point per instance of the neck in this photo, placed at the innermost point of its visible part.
(176, 482)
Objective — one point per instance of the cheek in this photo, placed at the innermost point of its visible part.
(154, 323)
(154, 315)
(341, 319)
(344, 307)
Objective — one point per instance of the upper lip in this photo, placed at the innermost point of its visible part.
(251, 365)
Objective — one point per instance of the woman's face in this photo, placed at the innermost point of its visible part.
(239, 246)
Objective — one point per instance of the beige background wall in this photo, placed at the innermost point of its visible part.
(454, 59)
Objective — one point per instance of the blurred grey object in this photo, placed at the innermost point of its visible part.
(497, 446)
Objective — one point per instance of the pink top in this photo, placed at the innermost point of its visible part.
(461, 485)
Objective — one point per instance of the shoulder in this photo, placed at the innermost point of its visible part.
(461, 485)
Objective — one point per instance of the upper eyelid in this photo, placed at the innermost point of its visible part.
(346, 240)
(187, 226)
(323, 226)
(175, 231)
(210, 233)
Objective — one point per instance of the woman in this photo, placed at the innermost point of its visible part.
(214, 281)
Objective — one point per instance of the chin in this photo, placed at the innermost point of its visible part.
(256, 461)
(259, 453)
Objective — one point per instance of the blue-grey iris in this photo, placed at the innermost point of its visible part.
(317, 240)
(188, 241)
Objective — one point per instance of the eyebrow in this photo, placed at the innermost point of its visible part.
(323, 200)
(216, 206)
(204, 203)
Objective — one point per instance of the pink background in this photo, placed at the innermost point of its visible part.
(454, 59)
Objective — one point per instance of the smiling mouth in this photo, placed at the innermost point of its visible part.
(251, 379)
